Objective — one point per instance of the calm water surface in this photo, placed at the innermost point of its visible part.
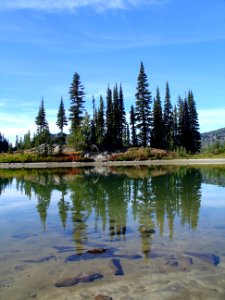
(161, 232)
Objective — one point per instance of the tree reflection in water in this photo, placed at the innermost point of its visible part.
(155, 197)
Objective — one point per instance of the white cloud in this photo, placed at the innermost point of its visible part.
(211, 119)
(73, 4)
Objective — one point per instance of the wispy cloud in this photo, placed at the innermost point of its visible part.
(74, 4)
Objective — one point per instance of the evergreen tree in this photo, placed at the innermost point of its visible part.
(157, 130)
(40, 120)
(61, 122)
(93, 140)
(180, 105)
(100, 126)
(43, 135)
(133, 128)
(175, 128)
(86, 131)
(109, 119)
(77, 102)
(123, 122)
(116, 135)
(142, 111)
(195, 139)
(127, 135)
(61, 117)
(168, 120)
(4, 145)
(184, 125)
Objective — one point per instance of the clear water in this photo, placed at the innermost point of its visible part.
(166, 226)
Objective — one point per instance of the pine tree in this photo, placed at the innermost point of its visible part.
(195, 139)
(4, 145)
(77, 102)
(180, 105)
(100, 130)
(43, 136)
(123, 122)
(133, 128)
(168, 120)
(142, 111)
(61, 122)
(157, 129)
(40, 120)
(175, 128)
(86, 131)
(184, 125)
(117, 141)
(93, 139)
(109, 119)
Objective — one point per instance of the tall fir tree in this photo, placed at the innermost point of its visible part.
(117, 142)
(109, 119)
(183, 125)
(94, 125)
(143, 110)
(123, 122)
(61, 122)
(133, 128)
(100, 126)
(168, 120)
(43, 136)
(175, 128)
(76, 109)
(40, 120)
(157, 123)
(195, 140)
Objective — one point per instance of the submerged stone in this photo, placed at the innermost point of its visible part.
(116, 267)
(97, 250)
(102, 297)
(47, 258)
(146, 229)
(83, 277)
(23, 235)
(100, 253)
(207, 257)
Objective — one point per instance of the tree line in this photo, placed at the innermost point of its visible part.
(150, 122)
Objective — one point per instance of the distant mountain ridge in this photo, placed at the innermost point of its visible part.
(213, 136)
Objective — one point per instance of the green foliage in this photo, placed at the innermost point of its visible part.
(4, 145)
(168, 121)
(77, 102)
(142, 109)
(157, 134)
(76, 139)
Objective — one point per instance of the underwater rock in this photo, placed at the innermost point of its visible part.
(83, 277)
(47, 258)
(172, 261)
(97, 250)
(100, 253)
(23, 235)
(146, 229)
(207, 257)
(102, 297)
(116, 267)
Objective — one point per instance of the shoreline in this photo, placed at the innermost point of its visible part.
(179, 162)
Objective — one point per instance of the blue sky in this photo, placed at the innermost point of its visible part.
(43, 43)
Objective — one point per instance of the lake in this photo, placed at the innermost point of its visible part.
(123, 232)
